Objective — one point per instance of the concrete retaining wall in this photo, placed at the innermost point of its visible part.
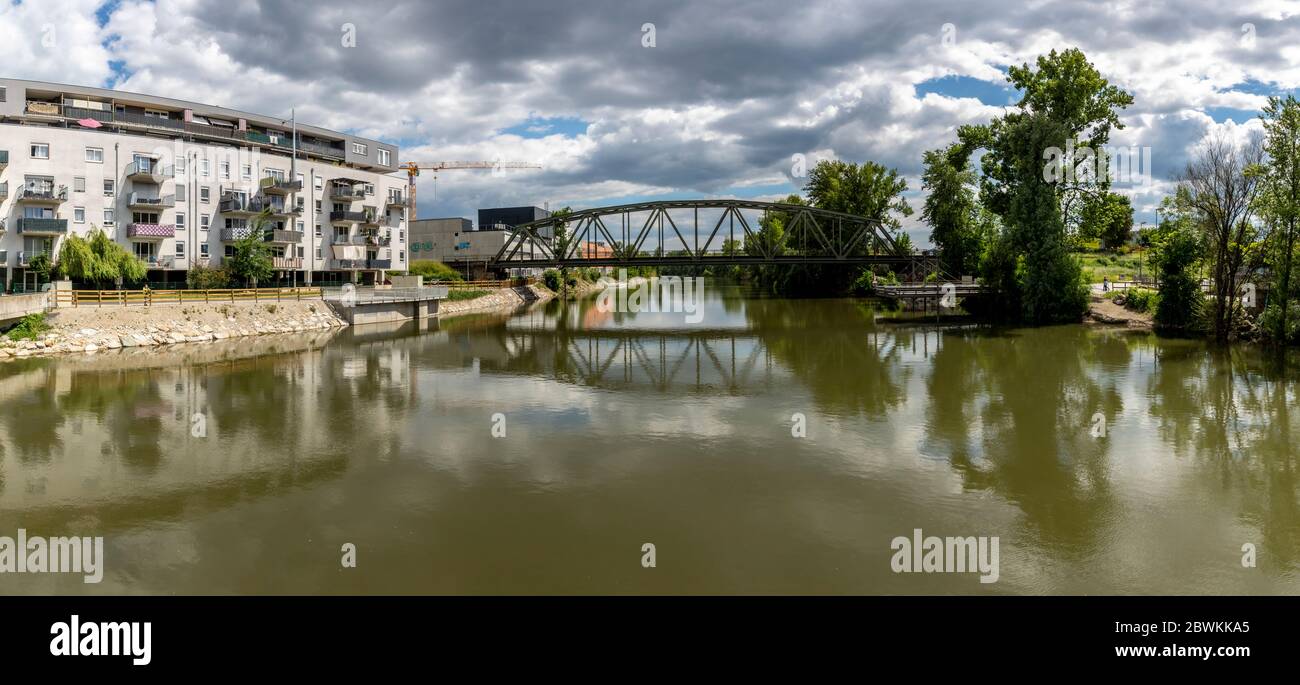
(14, 307)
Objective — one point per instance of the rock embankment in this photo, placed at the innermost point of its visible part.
(505, 298)
(91, 329)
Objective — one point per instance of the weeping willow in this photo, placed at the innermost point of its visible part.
(97, 259)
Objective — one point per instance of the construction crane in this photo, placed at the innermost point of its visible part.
(413, 170)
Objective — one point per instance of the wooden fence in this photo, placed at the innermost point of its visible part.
(97, 298)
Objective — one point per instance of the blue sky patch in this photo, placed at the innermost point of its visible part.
(540, 127)
(992, 94)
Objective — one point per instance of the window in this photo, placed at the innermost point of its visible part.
(384, 157)
(301, 251)
(180, 192)
(401, 255)
(108, 217)
(40, 151)
(301, 180)
(4, 94)
(319, 182)
(358, 149)
(205, 221)
(318, 206)
(95, 155)
(370, 188)
(340, 234)
(205, 194)
(155, 113)
(180, 249)
(79, 215)
(277, 174)
(203, 249)
(301, 226)
(401, 236)
(205, 168)
(108, 187)
(180, 220)
(225, 170)
(247, 172)
(318, 253)
(79, 184)
(230, 250)
(317, 230)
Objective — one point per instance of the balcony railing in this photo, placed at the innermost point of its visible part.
(276, 235)
(279, 186)
(150, 171)
(151, 231)
(150, 201)
(4, 189)
(154, 261)
(286, 262)
(347, 217)
(379, 263)
(346, 192)
(42, 226)
(141, 119)
(230, 235)
(4, 159)
(42, 193)
(348, 263)
(397, 201)
(25, 258)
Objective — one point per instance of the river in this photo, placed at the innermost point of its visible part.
(539, 452)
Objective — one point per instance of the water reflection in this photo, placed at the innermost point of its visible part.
(241, 467)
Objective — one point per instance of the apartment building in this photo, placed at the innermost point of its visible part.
(177, 183)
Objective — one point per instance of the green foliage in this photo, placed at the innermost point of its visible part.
(201, 277)
(434, 270)
(459, 294)
(952, 210)
(98, 259)
(868, 190)
(1278, 204)
(1066, 101)
(41, 265)
(29, 327)
(252, 260)
(551, 278)
(1175, 254)
(1141, 300)
(1282, 327)
(1108, 218)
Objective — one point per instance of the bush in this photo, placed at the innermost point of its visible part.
(551, 278)
(1269, 321)
(29, 327)
(207, 278)
(1141, 300)
(434, 270)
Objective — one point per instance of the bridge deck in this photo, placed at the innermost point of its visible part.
(915, 290)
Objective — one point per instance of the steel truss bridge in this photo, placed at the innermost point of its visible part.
(670, 232)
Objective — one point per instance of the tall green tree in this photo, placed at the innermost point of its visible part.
(1175, 253)
(1278, 203)
(1107, 217)
(98, 259)
(1217, 187)
(252, 261)
(1031, 184)
(952, 209)
(869, 190)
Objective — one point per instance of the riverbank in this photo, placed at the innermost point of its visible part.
(502, 299)
(1102, 311)
(90, 329)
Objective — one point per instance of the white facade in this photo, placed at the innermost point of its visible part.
(177, 199)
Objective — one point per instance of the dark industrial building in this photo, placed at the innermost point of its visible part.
(509, 216)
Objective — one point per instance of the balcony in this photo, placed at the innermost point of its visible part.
(279, 186)
(348, 217)
(396, 201)
(373, 219)
(4, 190)
(154, 261)
(150, 201)
(379, 240)
(347, 192)
(41, 226)
(151, 231)
(148, 171)
(25, 258)
(4, 159)
(142, 119)
(280, 236)
(348, 263)
(3, 227)
(379, 263)
(230, 235)
(43, 194)
(237, 204)
(286, 262)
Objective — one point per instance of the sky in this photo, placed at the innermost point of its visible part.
(631, 100)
